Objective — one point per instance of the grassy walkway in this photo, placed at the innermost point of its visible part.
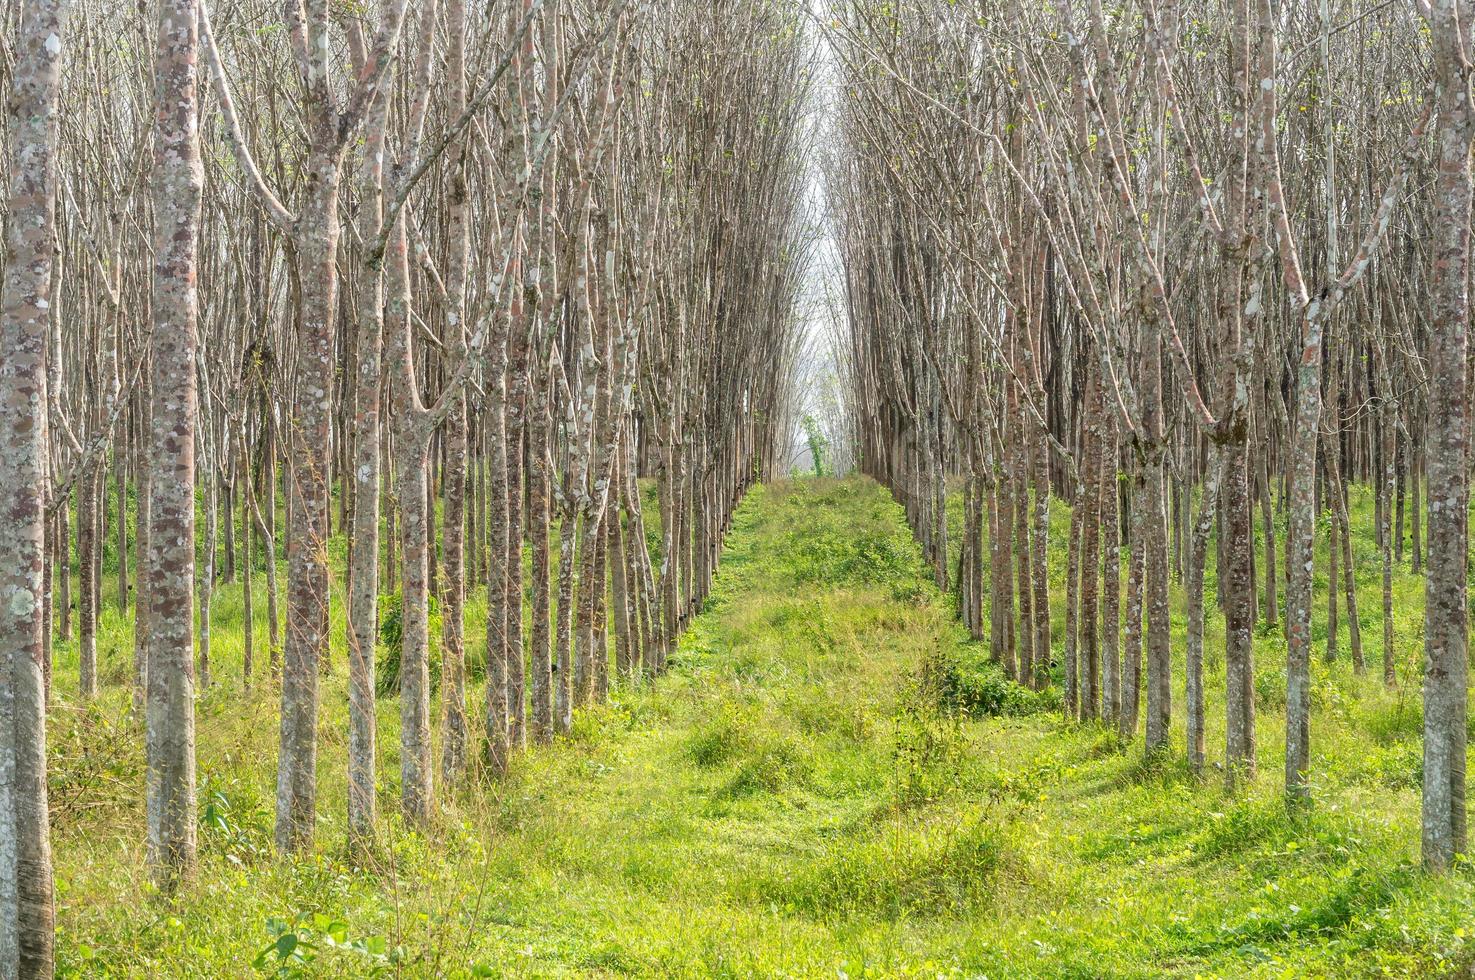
(788, 801)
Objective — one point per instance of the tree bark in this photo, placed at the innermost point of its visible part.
(178, 184)
(26, 301)
(1446, 641)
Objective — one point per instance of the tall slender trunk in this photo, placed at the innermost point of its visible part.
(26, 302)
(87, 584)
(539, 529)
(939, 505)
(1446, 639)
(207, 572)
(307, 511)
(416, 769)
(64, 568)
(1194, 589)
(1400, 493)
(1349, 571)
(248, 606)
(1001, 593)
(363, 572)
(1089, 503)
(1416, 543)
(120, 485)
(143, 449)
(626, 655)
(504, 545)
(1040, 569)
(1026, 635)
(511, 555)
(563, 675)
(228, 527)
(1267, 520)
(453, 540)
(178, 180)
(1111, 574)
(1155, 551)
(453, 623)
(641, 571)
(1072, 699)
(670, 577)
(599, 586)
(1131, 699)
(1386, 487)
(1333, 602)
(1239, 614)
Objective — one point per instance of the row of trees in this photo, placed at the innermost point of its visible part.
(444, 277)
(1174, 262)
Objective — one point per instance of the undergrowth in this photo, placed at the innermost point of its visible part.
(831, 780)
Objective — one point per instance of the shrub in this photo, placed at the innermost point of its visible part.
(929, 756)
(1270, 690)
(844, 556)
(966, 682)
(391, 633)
(391, 618)
(775, 763)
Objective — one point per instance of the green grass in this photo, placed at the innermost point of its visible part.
(830, 781)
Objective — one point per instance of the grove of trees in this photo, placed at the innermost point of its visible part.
(1176, 263)
(444, 278)
(402, 303)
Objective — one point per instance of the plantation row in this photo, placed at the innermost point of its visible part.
(394, 299)
(1189, 267)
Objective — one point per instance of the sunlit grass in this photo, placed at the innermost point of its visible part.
(789, 800)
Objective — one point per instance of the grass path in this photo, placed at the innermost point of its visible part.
(792, 799)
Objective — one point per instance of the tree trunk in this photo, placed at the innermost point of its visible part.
(207, 572)
(1132, 633)
(363, 571)
(416, 768)
(1386, 487)
(1024, 555)
(1239, 615)
(503, 546)
(1111, 574)
(248, 572)
(1333, 602)
(120, 484)
(307, 511)
(1155, 553)
(178, 181)
(539, 529)
(1194, 589)
(563, 676)
(1349, 571)
(1088, 501)
(1041, 569)
(1072, 698)
(510, 556)
(1267, 520)
(143, 449)
(87, 584)
(26, 302)
(453, 651)
(1446, 641)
